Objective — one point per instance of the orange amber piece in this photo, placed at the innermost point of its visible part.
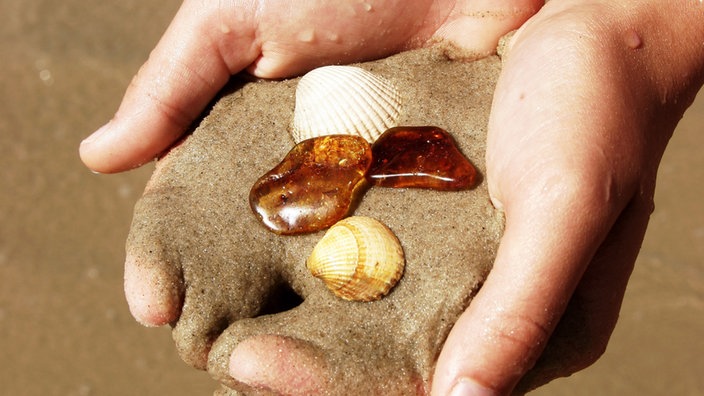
(315, 186)
(420, 157)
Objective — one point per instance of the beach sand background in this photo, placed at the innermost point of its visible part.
(64, 324)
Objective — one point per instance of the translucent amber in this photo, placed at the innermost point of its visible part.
(420, 157)
(315, 186)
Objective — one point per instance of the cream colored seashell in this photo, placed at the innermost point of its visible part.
(344, 100)
(358, 258)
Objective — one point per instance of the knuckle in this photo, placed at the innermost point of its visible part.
(520, 335)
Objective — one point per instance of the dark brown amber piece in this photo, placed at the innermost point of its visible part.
(420, 157)
(314, 186)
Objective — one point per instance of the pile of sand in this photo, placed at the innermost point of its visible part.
(194, 219)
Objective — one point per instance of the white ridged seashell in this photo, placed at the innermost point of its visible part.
(344, 100)
(358, 259)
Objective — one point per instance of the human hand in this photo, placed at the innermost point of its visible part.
(153, 115)
(582, 113)
(207, 42)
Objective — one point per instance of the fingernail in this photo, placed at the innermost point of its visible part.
(495, 202)
(95, 135)
(467, 387)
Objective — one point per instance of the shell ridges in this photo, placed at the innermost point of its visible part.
(358, 258)
(344, 100)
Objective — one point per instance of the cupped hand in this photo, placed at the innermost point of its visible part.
(207, 42)
(581, 116)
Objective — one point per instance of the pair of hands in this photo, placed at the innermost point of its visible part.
(582, 114)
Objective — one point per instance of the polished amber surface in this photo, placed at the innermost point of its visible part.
(420, 157)
(315, 185)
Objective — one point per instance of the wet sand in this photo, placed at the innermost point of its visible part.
(64, 324)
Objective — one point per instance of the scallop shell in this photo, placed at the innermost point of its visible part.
(344, 100)
(358, 258)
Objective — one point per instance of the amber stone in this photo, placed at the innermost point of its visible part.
(315, 185)
(420, 157)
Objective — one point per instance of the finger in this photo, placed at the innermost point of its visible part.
(295, 39)
(299, 352)
(193, 60)
(476, 26)
(153, 295)
(153, 282)
(545, 248)
(584, 331)
(278, 364)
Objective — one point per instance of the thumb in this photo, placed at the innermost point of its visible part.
(545, 249)
(183, 73)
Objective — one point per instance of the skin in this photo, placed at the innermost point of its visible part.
(588, 97)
